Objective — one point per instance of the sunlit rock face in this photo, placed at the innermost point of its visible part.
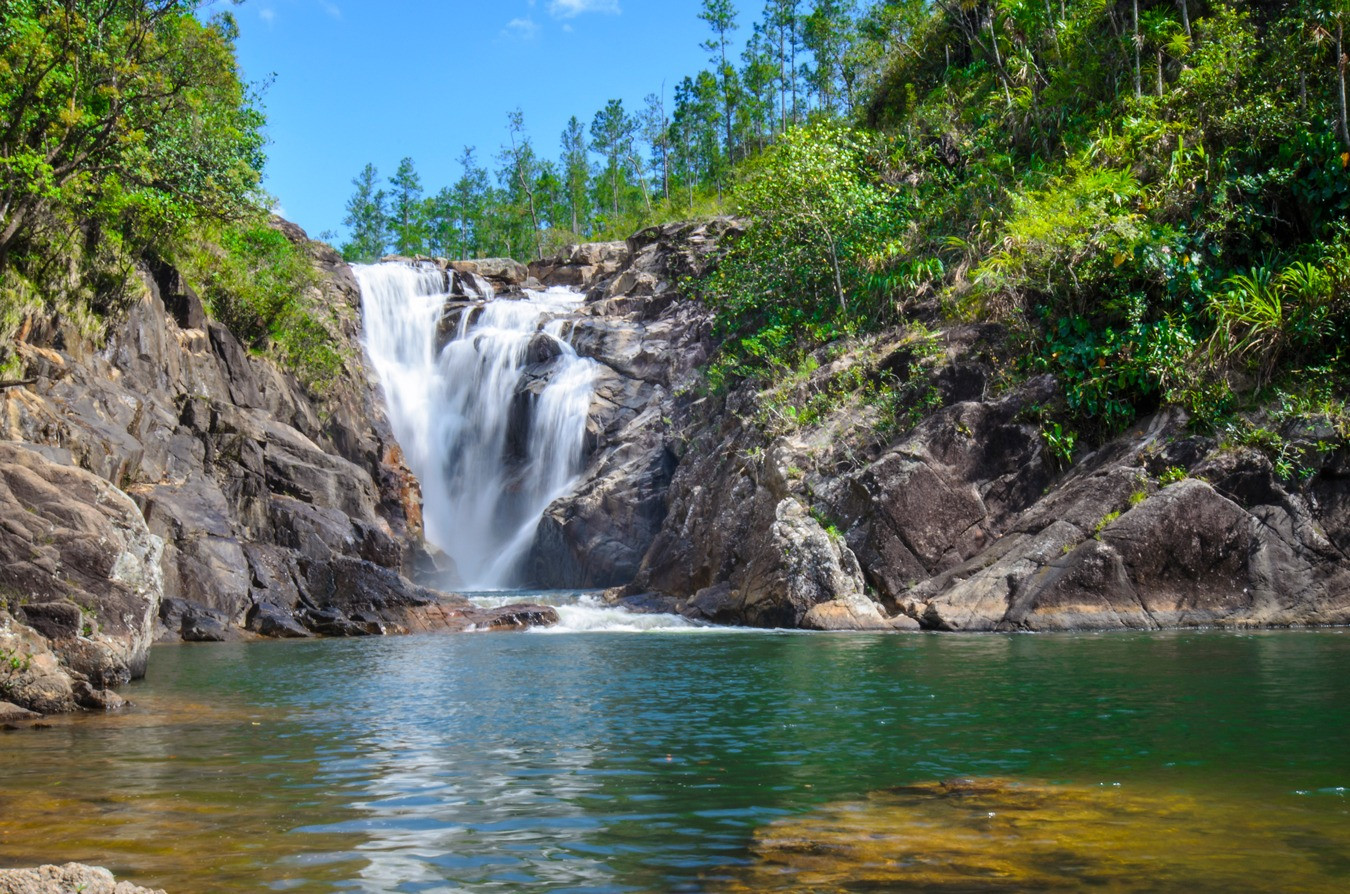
(280, 508)
(999, 835)
(81, 574)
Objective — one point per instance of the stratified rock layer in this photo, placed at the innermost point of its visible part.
(169, 482)
(81, 572)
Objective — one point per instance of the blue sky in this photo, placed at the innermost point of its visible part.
(361, 81)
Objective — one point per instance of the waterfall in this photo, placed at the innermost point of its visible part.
(492, 423)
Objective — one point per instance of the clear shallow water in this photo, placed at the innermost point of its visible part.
(664, 761)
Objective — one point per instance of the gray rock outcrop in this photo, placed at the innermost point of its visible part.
(167, 481)
(80, 571)
(72, 878)
(948, 514)
(649, 345)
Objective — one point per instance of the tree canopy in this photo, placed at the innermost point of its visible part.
(126, 111)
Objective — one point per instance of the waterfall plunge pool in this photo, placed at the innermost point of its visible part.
(722, 761)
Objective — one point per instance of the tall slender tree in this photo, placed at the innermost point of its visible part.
(367, 217)
(783, 24)
(521, 163)
(469, 197)
(576, 176)
(407, 213)
(656, 132)
(611, 136)
(721, 18)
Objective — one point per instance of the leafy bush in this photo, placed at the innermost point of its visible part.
(264, 289)
(818, 220)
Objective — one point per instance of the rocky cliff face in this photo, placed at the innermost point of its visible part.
(934, 504)
(169, 483)
(649, 345)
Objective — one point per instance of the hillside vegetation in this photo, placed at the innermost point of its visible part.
(128, 139)
(1151, 197)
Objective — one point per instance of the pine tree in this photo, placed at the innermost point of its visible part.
(828, 33)
(656, 131)
(721, 18)
(612, 136)
(407, 213)
(576, 177)
(368, 219)
(519, 175)
(470, 196)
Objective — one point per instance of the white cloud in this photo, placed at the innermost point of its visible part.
(268, 15)
(521, 29)
(331, 8)
(570, 9)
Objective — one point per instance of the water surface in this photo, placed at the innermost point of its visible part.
(678, 760)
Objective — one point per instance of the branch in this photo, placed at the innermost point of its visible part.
(16, 383)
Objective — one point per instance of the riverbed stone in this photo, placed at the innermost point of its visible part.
(67, 879)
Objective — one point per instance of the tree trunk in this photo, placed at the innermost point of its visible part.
(642, 181)
(1160, 72)
(1138, 73)
(998, 60)
(1340, 77)
(726, 96)
(1186, 17)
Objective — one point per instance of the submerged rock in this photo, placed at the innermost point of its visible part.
(1003, 835)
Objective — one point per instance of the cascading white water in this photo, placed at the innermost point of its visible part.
(493, 424)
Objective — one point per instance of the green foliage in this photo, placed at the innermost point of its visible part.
(1172, 475)
(368, 218)
(816, 217)
(263, 288)
(1059, 442)
(122, 112)
(1104, 522)
(1156, 205)
(1264, 315)
(827, 523)
(1063, 242)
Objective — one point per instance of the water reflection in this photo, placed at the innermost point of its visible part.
(649, 761)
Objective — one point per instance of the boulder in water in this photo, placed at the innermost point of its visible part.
(66, 879)
(79, 565)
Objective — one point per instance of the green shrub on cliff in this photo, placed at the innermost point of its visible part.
(119, 117)
(126, 132)
(817, 215)
(1155, 197)
(260, 285)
